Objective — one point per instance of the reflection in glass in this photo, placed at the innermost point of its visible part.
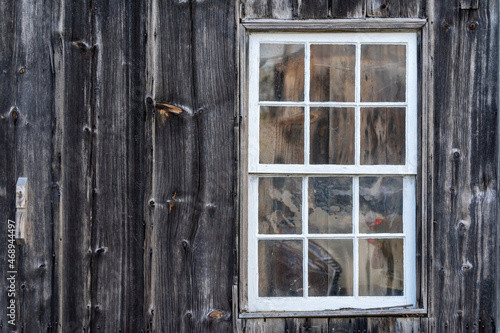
(330, 205)
(330, 267)
(333, 73)
(280, 205)
(383, 136)
(380, 204)
(381, 270)
(280, 268)
(281, 73)
(332, 135)
(281, 136)
(383, 73)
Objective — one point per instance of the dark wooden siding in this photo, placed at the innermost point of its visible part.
(122, 115)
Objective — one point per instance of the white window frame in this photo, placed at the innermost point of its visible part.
(256, 170)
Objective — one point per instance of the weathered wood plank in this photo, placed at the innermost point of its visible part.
(289, 9)
(464, 220)
(341, 9)
(118, 228)
(469, 4)
(33, 99)
(74, 131)
(372, 24)
(400, 8)
(192, 226)
(264, 325)
(8, 124)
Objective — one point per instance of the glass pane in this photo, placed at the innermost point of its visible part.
(333, 73)
(280, 205)
(380, 204)
(330, 205)
(383, 73)
(383, 136)
(281, 74)
(281, 135)
(332, 136)
(381, 270)
(330, 267)
(280, 268)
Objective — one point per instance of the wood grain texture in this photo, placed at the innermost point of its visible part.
(192, 65)
(33, 99)
(8, 124)
(288, 9)
(462, 228)
(337, 9)
(117, 232)
(400, 8)
(74, 53)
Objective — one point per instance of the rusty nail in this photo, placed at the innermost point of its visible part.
(22, 70)
(151, 203)
(472, 26)
(456, 154)
(189, 315)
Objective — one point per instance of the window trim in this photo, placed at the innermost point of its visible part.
(373, 25)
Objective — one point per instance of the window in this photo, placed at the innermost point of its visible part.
(331, 174)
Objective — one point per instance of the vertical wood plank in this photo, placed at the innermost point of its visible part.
(33, 99)
(192, 226)
(73, 143)
(464, 192)
(8, 124)
(118, 229)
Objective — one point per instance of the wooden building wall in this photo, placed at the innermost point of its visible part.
(124, 117)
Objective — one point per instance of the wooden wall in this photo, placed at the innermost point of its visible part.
(123, 115)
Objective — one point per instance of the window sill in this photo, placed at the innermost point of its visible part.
(399, 311)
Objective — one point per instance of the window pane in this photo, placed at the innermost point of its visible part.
(380, 204)
(281, 135)
(333, 73)
(330, 267)
(281, 74)
(280, 205)
(280, 268)
(383, 136)
(383, 73)
(381, 270)
(330, 205)
(332, 136)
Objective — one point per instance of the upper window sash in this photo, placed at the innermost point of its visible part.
(410, 102)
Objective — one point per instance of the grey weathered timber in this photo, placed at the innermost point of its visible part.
(8, 122)
(462, 231)
(31, 155)
(334, 25)
(74, 65)
(191, 66)
(117, 234)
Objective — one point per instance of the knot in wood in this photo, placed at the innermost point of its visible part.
(216, 314)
